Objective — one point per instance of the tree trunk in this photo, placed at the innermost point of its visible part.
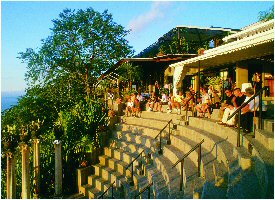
(88, 88)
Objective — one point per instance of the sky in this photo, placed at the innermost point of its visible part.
(25, 23)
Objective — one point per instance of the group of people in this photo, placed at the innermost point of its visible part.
(177, 102)
(203, 104)
(234, 99)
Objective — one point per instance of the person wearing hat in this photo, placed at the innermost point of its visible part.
(248, 111)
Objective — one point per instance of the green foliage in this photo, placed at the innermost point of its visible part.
(82, 45)
(61, 75)
(266, 15)
(130, 73)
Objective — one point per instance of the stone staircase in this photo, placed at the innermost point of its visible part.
(225, 171)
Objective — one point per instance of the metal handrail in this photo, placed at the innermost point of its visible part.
(159, 134)
(144, 189)
(110, 186)
(187, 154)
(132, 164)
(247, 102)
(134, 159)
(259, 93)
(181, 160)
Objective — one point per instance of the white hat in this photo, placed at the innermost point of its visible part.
(246, 85)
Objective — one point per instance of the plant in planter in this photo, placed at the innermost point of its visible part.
(35, 128)
(25, 135)
(10, 138)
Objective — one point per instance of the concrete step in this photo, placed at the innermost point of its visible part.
(119, 154)
(268, 124)
(216, 114)
(242, 184)
(113, 164)
(219, 147)
(147, 122)
(266, 138)
(164, 115)
(263, 166)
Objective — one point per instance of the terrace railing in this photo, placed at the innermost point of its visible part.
(159, 135)
(239, 110)
(181, 160)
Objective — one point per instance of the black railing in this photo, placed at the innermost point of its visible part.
(144, 189)
(132, 169)
(239, 110)
(110, 187)
(159, 135)
(182, 162)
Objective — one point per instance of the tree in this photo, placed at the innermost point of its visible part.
(82, 45)
(266, 15)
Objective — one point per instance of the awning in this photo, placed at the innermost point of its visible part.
(258, 45)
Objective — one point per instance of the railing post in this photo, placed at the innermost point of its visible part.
(181, 174)
(112, 191)
(199, 162)
(132, 175)
(160, 150)
(239, 130)
(169, 132)
(260, 110)
(186, 114)
(149, 191)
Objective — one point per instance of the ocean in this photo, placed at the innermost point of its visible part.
(9, 99)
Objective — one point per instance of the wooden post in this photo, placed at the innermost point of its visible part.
(181, 175)
(25, 171)
(11, 184)
(36, 167)
(58, 168)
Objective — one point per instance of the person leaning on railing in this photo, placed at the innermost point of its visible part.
(248, 111)
(237, 101)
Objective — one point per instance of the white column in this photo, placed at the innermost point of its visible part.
(11, 184)
(25, 171)
(36, 167)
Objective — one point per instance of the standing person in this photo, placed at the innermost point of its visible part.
(157, 89)
(141, 100)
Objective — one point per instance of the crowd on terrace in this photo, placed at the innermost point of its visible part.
(202, 105)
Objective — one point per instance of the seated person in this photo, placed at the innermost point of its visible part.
(170, 103)
(237, 101)
(227, 103)
(129, 107)
(203, 106)
(162, 101)
(188, 101)
(178, 102)
(136, 108)
(248, 111)
(151, 102)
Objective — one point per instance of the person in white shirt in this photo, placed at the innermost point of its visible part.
(129, 107)
(248, 111)
(163, 101)
(204, 105)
